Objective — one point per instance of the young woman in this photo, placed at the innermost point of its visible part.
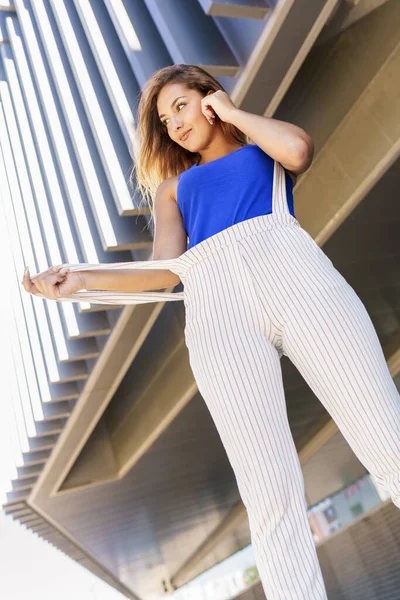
(256, 286)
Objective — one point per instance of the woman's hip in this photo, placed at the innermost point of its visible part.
(256, 278)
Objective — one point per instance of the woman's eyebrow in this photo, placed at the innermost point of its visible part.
(172, 105)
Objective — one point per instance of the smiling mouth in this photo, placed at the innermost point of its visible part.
(185, 137)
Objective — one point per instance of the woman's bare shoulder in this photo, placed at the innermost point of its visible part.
(174, 187)
(170, 186)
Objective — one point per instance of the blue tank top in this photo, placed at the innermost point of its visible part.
(230, 189)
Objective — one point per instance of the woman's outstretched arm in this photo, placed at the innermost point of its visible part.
(169, 242)
(63, 280)
(129, 280)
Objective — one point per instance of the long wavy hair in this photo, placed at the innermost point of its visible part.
(155, 156)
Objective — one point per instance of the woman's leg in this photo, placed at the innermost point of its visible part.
(330, 338)
(238, 373)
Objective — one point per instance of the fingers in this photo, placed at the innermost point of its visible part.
(45, 284)
(26, 281)
(209, 113)
(210, 116)
(207, 110)
(34, 284)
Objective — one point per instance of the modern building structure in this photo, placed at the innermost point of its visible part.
(119, 463)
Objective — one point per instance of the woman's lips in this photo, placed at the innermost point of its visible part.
(185, 137)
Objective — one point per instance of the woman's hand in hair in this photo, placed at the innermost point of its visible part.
(217, 103)
(55, 282)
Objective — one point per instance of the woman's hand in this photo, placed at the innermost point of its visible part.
(56, 282)
(217, 103)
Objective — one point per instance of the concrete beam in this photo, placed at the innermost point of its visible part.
(227, 526)
(113, 451)
(7, 5)
(119, 351)
(347, 13)
(358, 153)
(238, 9)
(267, 75)
(191, 37)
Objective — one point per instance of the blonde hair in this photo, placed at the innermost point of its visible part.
(155, 156)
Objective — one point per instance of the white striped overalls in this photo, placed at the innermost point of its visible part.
(252, 292)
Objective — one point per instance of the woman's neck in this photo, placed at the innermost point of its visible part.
(217, 152)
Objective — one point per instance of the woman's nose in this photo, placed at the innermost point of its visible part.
(176, 123)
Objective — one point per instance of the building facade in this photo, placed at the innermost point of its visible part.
(119, 463)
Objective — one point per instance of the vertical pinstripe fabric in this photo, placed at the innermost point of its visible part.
(256, 291)
(253, 292)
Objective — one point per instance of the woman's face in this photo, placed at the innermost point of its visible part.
(179, 109)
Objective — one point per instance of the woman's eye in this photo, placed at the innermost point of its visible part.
(165, 120)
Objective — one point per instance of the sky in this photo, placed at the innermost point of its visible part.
(32, 568)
